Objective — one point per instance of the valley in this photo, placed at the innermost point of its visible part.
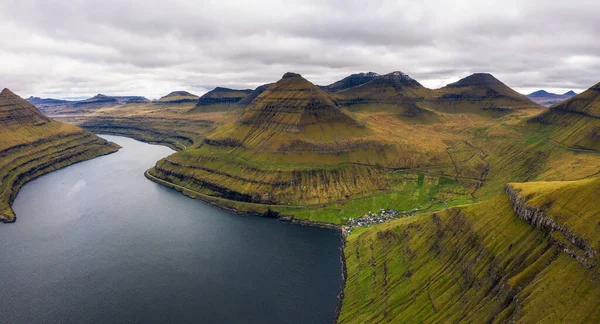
(499, 190)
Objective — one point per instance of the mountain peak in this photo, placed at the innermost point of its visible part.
(6, 91)
(351, 81)
(16, 111)
(539, 93)
(179, 93)
(290, 75)
(221, 89)
(292, 103)
(570, 93)
(476, 79)
(400, 78)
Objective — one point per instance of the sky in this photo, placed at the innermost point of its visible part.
(78, 48)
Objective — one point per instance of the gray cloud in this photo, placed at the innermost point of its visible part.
(82, 47)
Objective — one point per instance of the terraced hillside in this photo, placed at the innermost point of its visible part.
(499, 221)
(32, 144)
(219, 99)
(492, 262)
(526, 252)
(395, 92)
(178, 97)
(294, 146)
(480, 93)
(574, 122)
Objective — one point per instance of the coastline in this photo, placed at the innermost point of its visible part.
(6, 220)
(284, 218)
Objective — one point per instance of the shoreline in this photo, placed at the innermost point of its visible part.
(6, 220)
(283, 218)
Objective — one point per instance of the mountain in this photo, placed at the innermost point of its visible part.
(548, 99)
(253, 94)
(290, 136)
(98, 101)
(32, 144)
(46, 103)
(293, 104)
(395, 92)
(351, 81)
(131, 99)
(528, 255)
(574, 122)
(219, 99)
(178, 97)
(16, 112)
(480, 93)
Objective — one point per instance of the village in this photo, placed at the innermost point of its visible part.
(372, 218)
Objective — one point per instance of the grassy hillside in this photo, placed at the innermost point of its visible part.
(294, 146)
(219, 99)
(477, 250)
(480, 93)
(395, 92)
(178, 97)
(481, 263)
(574, 122)
(31, 145)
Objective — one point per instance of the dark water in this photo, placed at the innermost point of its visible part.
(98, 243)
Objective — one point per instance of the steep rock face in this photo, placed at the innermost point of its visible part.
(351, 81)
(569, 241)
(31, 145)
(15, 111)
(479, 92)
(574, 122)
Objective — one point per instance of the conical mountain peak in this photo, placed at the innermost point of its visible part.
(16, 111)
(476, 79)
(7, 92)
(291, 75)
(293, 103)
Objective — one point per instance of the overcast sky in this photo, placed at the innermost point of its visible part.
(79, 48)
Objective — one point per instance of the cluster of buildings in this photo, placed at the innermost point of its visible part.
(371, 218)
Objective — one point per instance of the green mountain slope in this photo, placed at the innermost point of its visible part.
(480, 93)
(219, 99)
(178, 97)
(574, 122)
(395, 92)
(483, 263)
(351, 81)
(32, 144)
